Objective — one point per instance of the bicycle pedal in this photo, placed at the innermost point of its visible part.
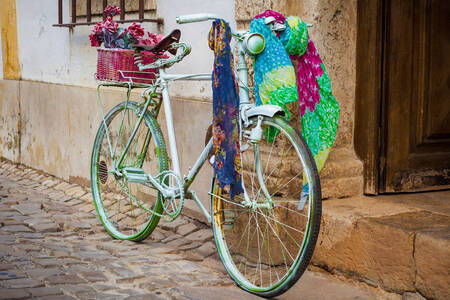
(137, 175)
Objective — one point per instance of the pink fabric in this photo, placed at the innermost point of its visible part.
(308, 69)
(279, 18)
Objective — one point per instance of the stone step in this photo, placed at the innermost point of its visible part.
(341, 187)
(389, 242)
(341, 163)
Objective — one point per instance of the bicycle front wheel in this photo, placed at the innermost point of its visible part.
(266, 246)
(127, 210)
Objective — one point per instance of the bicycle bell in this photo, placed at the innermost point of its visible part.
(253, 43)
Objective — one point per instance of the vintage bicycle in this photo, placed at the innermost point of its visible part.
(266, 236)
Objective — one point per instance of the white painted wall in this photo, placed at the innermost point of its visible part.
(1, 58)
(60, 55)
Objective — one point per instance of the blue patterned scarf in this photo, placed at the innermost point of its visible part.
(225, 132)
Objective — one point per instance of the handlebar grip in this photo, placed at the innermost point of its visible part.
(196, 18)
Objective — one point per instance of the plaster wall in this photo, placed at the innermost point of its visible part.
(10, 120)
(1, 59)
(61, 55)
(59, 123)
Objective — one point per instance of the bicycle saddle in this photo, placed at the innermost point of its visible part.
(163, 45)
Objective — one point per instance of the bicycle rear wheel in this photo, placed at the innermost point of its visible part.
(266, 249)
(126, 208)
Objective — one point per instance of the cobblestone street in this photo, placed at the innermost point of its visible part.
(52, 246)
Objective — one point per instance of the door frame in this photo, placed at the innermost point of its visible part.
(368, 132)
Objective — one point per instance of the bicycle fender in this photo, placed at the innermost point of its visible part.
(267, 110)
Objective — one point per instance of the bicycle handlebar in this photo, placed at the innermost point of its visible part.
(183, 19)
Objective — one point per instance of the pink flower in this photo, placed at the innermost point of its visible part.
(112, 11)
(94, 40)
(110, 25)
(152, 39)
(136, 31)
(98, 28)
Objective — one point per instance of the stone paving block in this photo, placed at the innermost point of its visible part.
(76, 226)
(44, 291)
(14, 220)
(11, 274)
(113, 248)
(40, 273)
(76, 192)
(64, 279)
(15, 228)
(122, 280)
(74, 202)
(56, 297)
(92, 255)
(117, 270)
(30, 235)
(156, 283)
(8, 214)
(4, 207)
(60, 254)
(157, 236)
(46, 227)
(171, 238)
(176, 244)
(172, 226)
(13, 294)
(49, 183)
(28, 208)
(28, 247)
(106, 296)
(21, 283)
(87, 207)
(62, 186)
(56, 195)
(152, 296)
(47, 262)
(207, 249)
(186, 229)
(200, 236)
(189, 246)
(185, 266)
(6, 266)
(93, 276)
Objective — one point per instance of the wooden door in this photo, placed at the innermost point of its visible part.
(415, 105)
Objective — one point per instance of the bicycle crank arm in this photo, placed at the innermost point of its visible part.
(138, 175)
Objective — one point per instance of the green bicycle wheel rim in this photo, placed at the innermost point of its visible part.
(155, 130)
(273, 290)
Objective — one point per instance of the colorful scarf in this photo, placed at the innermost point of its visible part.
(274, 84)
(227, 163)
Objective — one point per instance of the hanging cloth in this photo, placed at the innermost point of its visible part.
(225, 129)
(319, 109)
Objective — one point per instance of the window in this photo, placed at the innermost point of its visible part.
(89, 8)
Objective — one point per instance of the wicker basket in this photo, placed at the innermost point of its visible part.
(112, 60)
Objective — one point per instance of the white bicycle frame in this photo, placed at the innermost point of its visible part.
(246, 110)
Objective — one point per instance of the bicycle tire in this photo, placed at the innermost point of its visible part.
(109, 192)
(228, 223)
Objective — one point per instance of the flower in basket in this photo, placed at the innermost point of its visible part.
(111, 35)
(136, 31)
(152, 39)
(111, 11)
